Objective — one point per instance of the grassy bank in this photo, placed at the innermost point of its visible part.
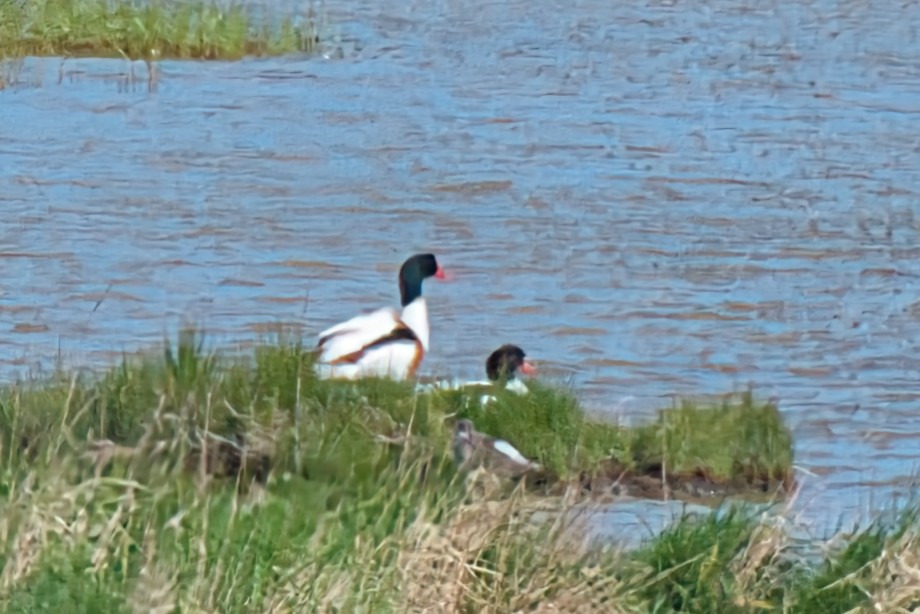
(187, 483)
(274, 404)
(154, 29)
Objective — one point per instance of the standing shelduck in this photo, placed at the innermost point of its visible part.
(383, 343)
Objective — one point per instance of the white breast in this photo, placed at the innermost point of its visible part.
(415, 316)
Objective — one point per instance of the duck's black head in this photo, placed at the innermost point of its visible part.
(504, 363)
(413, 272)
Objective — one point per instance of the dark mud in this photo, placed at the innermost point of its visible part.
(653, 482)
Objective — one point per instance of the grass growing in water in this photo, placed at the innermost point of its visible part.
(737, 439)
(145, 490)
(201, 29)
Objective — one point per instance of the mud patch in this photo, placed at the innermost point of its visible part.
(613, 478)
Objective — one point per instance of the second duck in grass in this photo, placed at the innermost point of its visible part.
(502, 368)
(474, 449)
(503, 364)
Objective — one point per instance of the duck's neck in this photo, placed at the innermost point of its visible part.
(415, 316)
(410, 289)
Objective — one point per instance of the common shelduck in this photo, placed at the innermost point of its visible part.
(474, 449)
(502, 367)
(503, 364)
(383, 343)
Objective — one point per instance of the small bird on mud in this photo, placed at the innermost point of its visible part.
(383, 343)
(473, 449)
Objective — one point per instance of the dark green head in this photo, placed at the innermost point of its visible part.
(413, 272)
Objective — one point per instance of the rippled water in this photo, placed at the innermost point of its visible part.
(650, 198)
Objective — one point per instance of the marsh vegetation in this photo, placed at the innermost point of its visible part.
(186, 480)
(180, 29)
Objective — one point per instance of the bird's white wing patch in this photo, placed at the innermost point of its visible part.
(510, 451)
(517, 386)
(353, 335)
(385, 316)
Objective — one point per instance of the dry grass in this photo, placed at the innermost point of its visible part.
(470, 562)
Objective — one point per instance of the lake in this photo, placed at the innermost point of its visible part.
(650, 198)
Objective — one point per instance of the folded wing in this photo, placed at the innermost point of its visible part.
(346, 341)
(510, 451)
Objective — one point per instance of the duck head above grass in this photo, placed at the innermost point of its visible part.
(503, 365)
(502, 368)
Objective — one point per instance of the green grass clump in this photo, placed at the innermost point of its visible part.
(702, 564)
(733, 561)
(843, 582)
(739, 439)
(155, 29)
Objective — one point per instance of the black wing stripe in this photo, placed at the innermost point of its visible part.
(401, 333)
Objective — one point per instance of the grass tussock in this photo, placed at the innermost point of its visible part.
(739, 438)
(182, 482)
(200, 29)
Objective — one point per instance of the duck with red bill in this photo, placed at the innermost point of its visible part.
(383, 343)
(502, 368)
